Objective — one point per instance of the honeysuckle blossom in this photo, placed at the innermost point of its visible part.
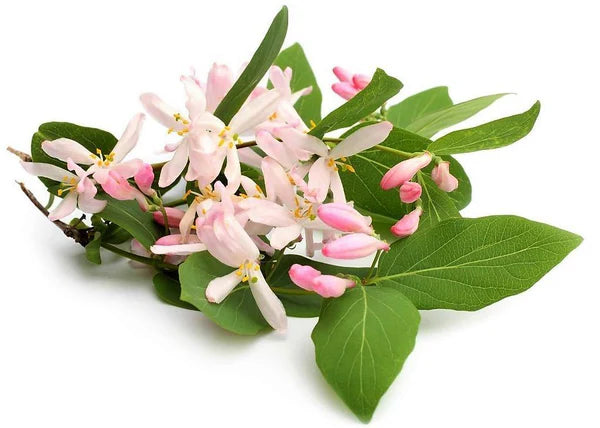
(110, 170)
(353, 246)
(323, 174)
(344, 218)
(77, 190)
(410, 192)
(404, 171)
(408, 224)
(443, 178)
(311, 279)
(349, 84)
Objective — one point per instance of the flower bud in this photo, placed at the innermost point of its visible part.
(174, 216)
(410, 192)
(344, 218)
(404, 171)
(408, 224)
(442, 177)
(353, 246)
(344, 89)
(144, 179)
(303, 276)
(331, 286)
(360, 81)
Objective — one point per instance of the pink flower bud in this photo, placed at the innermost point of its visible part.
(331, 286)
(404, 171)
(344, 89)
(442, 177)
(408, 224)
(410, 192)
(360, 81)
(174, 239)
(144, 179)
(344, 218)
(174, 216)
(342, 74)
(303, 276)
(353, 246)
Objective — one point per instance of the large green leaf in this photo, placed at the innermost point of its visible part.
(466, 264)
(257, 67)
(238, 313)
(416, 106)
(91, 138)
(432, 123)
(129, 216)
(361, 342)
(491, 135)
(381, 88)
(308, 106)
(168, 290)
(304, 305)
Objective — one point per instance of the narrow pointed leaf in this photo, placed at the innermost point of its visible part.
(129, 216)
(92, 249)
(416, 106)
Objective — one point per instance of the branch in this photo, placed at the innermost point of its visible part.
(24, 156)
(81, 236)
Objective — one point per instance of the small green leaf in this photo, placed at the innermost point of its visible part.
(491, 135)
(462, 194)
(115, 234)
(92, 249)
(432, 123)
(381, 89)
(257, 67)
(238, 313)
(308, 106)
(168, 290)
(91, 138)
(416, 106)
(129, 216)
(437, 205)
(304, 305)
(469, 263)
(361, 342)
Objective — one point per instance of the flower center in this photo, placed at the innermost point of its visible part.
(67, 185)
(304, 209)
(102, 160)
(247, 271)
(230, 140)
(179, 118)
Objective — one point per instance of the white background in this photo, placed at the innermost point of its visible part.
(88, 346)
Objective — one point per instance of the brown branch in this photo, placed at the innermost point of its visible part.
(24, 156)
(81, 236)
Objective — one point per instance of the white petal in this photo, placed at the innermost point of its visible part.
(277, 183)
(319, 178)
(275, 149)
(281, 236)
(48, 170)
(128, 168)
(270, 306)
(63, 149)
(90, 205)
(178, 250)
(280, 81)
(129, 138)
(337, 188)
(249, 157)
(161, 111)
(267, 212)
(254, 112)
(219, 288)
(362, 139)
(196, 100)
(66, 207)
(301, 142)
(220, 80)
(186, 222)
(233, 171)
(172, 169)
(250, 187)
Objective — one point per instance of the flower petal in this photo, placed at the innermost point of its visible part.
(129, 138)
(90, 205)
(64, 148)
(255, 112)
(270, 306)
(301, 142)
(219, 288)
(319, 178)
(173, 169)
(196, 100)
(220, 81)
(362, 139)
(48, 170)
(281, 236)
(66, 207)
(161, 111)
(179, 249)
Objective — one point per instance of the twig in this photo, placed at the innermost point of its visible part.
(81, 236)
(24, 156)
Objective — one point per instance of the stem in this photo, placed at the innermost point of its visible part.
(50, 201)
(146, 260)
(165, 218)
(291, 291)
(372, 268)
(174, 203)
(274, 263)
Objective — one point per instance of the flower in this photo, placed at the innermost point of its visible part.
(410, 192)
(79, 189)
(408, 224)
(144, 179)
(109, 170)
(353, 246)
(442, 177)
(349, 84)
(404, 171)
(174, 216)
(311, 279)
(344, 218)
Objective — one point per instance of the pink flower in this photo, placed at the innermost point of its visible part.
(442, 177)
(303, 276)
(353, 246)
(174, 216)
(408, 224)
(349, 84)
(344, 218)
(311, 279)
(144, 179)
(410, 192)
(404, 171)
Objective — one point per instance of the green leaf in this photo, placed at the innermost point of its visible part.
(432, 123)
(308, 106)
(437, 205)
(168, 290)
(381, 88)
(257, 67)
(92, 249)
(238, 313)
(361, 342)
(304, 305)
(491, 135)
(129, 216)
(416, 106)
(91, 138)
(467, 264)
(115, 234)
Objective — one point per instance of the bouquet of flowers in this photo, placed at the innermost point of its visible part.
(256, 171)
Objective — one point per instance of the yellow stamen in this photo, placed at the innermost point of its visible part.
(312, 124)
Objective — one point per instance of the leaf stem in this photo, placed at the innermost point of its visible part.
(145, 260)
(372, 268)
(291, 291)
